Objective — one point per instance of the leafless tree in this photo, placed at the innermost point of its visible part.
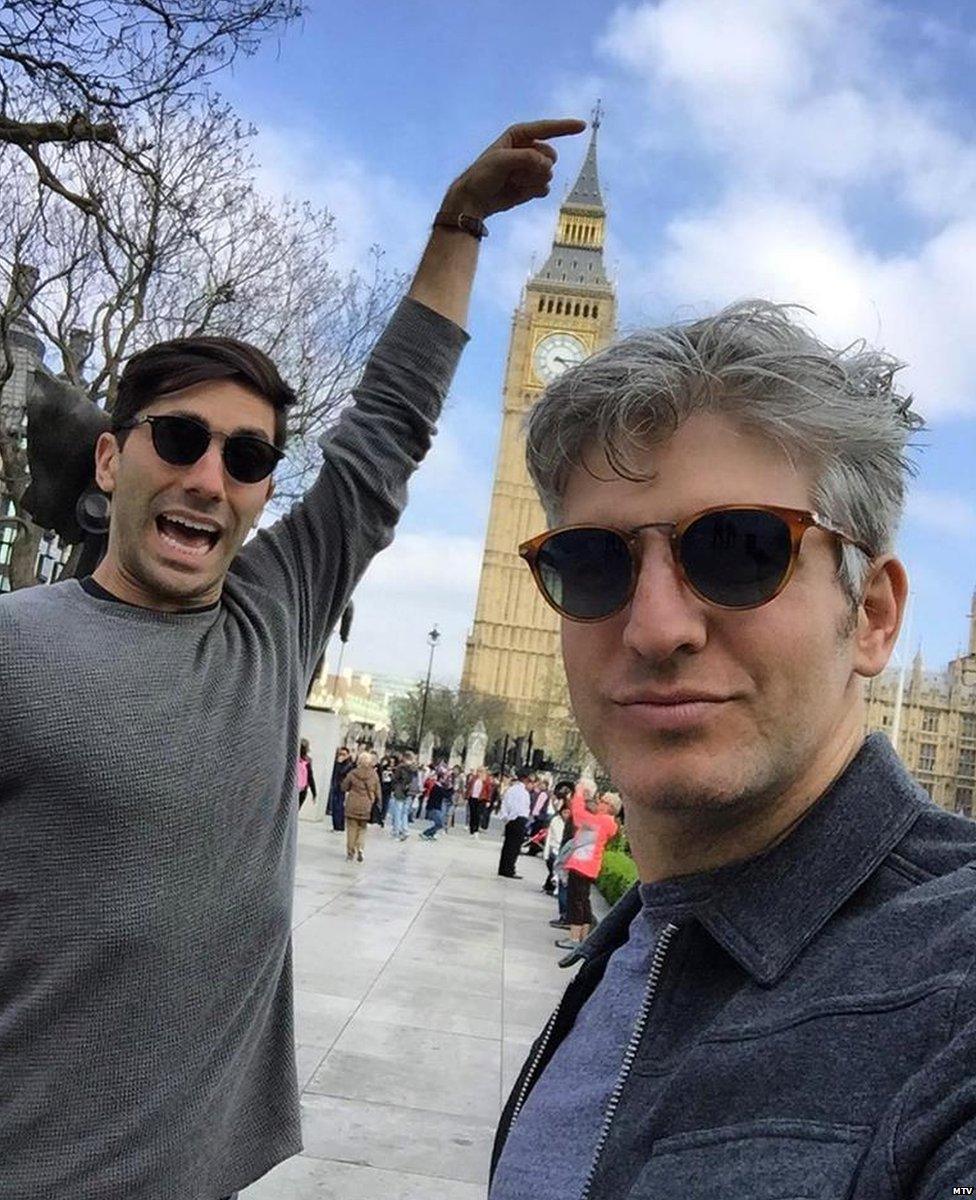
(73, 71)
(176, 240)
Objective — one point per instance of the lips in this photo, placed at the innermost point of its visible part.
(669, 698)
(656, 716)
(189, 549)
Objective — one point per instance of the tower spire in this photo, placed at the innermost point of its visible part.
(576, 259)
(585, 192)
(972, 625)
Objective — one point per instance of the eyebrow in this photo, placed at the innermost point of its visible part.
(241, 430)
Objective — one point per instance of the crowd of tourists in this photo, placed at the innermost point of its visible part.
(567, 824)
(396, 791)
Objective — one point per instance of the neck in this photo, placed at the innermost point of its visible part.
(668, 845)
(113, 578)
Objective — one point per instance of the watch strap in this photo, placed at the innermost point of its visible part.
(464, 221)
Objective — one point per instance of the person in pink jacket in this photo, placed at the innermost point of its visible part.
(594, 819)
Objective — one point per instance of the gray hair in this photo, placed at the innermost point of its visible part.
(835, 410)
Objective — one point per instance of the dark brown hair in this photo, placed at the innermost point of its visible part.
(180, 363)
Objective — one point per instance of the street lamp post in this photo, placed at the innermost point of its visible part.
(433, 637)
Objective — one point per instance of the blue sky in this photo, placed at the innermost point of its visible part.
(819, 153)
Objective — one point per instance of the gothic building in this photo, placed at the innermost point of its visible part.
(567, 311)
(930, 718)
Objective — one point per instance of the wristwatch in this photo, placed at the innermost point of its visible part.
(473, 225)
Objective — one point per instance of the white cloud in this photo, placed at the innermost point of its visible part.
(714, 50)
(794, 93)
(944, 513)
(370, 208)
(915, 306)
(795, 106)
(421, 579)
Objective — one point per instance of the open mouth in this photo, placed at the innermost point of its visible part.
(187, 540)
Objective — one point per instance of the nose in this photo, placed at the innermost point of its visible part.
(664, 616)
(206, 477)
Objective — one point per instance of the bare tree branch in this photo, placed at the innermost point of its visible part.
(78, 128)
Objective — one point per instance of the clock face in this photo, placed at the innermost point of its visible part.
(557, 353)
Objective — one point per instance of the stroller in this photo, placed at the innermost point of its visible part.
(534, 843)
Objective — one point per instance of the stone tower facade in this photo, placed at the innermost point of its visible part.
(567, 311)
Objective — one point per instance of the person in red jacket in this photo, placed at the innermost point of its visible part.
(594, 819)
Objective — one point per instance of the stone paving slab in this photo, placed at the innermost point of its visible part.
(421, 980)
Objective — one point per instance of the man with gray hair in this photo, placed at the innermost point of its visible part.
(785, 1004)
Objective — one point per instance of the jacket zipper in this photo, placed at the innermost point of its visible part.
(536, 1059)
(630, 1053)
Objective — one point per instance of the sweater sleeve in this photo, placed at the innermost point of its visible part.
(311, 559)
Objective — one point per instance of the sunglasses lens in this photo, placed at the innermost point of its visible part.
(249, 459)
(586, 573)
(179, 441)
(737, 558)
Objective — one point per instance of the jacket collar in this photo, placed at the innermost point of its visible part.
(768, 911)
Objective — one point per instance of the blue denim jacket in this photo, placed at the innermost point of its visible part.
(811, 1034)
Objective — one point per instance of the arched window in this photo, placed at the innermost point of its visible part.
(542, 302)
(576, 310)
(549, 306)
(559, 306)
(586, 310)
(596, 310)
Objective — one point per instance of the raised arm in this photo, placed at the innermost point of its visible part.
(312, 558)
(515, 168)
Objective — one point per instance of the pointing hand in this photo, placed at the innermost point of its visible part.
(515, 168)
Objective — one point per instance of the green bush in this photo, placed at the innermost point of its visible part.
(619, 841)
(619, 873)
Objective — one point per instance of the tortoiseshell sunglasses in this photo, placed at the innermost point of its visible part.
(734, 556)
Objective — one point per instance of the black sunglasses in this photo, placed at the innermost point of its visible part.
(182, 441)
(733, 556)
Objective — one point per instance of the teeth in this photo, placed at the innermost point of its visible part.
(198, 551)
(190, 524)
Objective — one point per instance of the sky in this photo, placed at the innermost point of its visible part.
(814, 152)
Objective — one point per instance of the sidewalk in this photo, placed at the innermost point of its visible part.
(421, 979)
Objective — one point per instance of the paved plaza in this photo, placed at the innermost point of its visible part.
(421, 978)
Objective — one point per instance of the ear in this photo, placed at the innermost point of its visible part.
(107, 452)
(271, 490)
(880, 617)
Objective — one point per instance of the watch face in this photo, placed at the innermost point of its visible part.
(557, 353)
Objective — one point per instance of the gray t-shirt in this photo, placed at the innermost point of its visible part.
(551, 1145)
(147, 831)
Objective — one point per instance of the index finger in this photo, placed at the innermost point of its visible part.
(531, 131)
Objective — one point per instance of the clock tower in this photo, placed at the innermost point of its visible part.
(567, 311)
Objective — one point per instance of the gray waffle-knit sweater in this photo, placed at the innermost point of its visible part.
(147, 831)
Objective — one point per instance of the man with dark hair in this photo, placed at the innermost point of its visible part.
(146, 875)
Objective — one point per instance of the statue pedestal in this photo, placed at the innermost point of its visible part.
(427, 749)
(477, 743)
(323, 730)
